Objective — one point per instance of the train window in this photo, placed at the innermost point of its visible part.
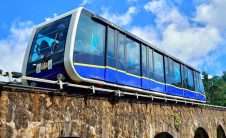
(90, 41)
(171, 72)
(111, 47)
(150, 63)
(133, 56)
(196, 80)
(111, 43)
(158, 67)
(201, 87)
(166, 69)
(50, 40)
(190, 80)
(121, 51)
(184, 76)
(144, 61)
(177, 74)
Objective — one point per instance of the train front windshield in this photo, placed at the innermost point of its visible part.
(48, 44)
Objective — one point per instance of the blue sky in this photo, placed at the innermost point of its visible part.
(192, 30)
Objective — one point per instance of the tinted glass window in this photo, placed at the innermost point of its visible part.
(90, 41)
(121, 51)
(150, 63)
(111, 43)
(196, 80)
(121, 47)
(158, 67)
(201, 86)
(111, 48)
(171, 72)
(190, 80)
(166, 69)
(133, 56)
(144, 61)
(184, 76)
(177, 74)
(49, 39)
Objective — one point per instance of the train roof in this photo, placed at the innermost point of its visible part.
(105, 21)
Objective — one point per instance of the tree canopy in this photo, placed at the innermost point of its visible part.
(215, 88)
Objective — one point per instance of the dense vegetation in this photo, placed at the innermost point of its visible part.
(215, 88)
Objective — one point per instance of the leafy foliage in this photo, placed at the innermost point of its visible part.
(215, 88)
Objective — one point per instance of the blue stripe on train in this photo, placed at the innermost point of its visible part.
(114, 76)
(145, 83)
(91, 72)
(173, 90)
(189, 94)
(111, 75)
(200, 97)
(125, 79)
(154, 86)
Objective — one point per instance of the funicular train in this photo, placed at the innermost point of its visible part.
(87, 48)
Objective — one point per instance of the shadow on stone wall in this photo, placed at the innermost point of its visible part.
(220, 132)
(201, 133)
(163, 135)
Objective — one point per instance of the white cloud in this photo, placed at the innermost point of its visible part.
(199, 46)
(166, 13)
(49, 18)
(120, 19)
(212, 13)
(155, 6)
(84, 2)
(14, 45)
(147, 32)
(192, 45)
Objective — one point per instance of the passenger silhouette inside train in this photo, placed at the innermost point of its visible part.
(43, 49)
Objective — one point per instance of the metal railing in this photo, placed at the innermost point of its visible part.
(95, 89)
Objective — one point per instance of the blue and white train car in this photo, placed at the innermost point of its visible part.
(87, 48)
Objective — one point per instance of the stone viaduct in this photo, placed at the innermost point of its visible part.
(31, 112)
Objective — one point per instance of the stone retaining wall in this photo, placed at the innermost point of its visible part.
(30, 114)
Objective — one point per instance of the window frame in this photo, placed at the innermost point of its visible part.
(151, 72)
(192, 86)
(107, 57)
(184, 77)
(127, 39)
(144, 47)
(101, 57)
(162, 73)
(124, 51)
(174, 77)
(40, 29)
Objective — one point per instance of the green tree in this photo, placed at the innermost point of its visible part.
(215, 89)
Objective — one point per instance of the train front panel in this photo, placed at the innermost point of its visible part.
(44, 57)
